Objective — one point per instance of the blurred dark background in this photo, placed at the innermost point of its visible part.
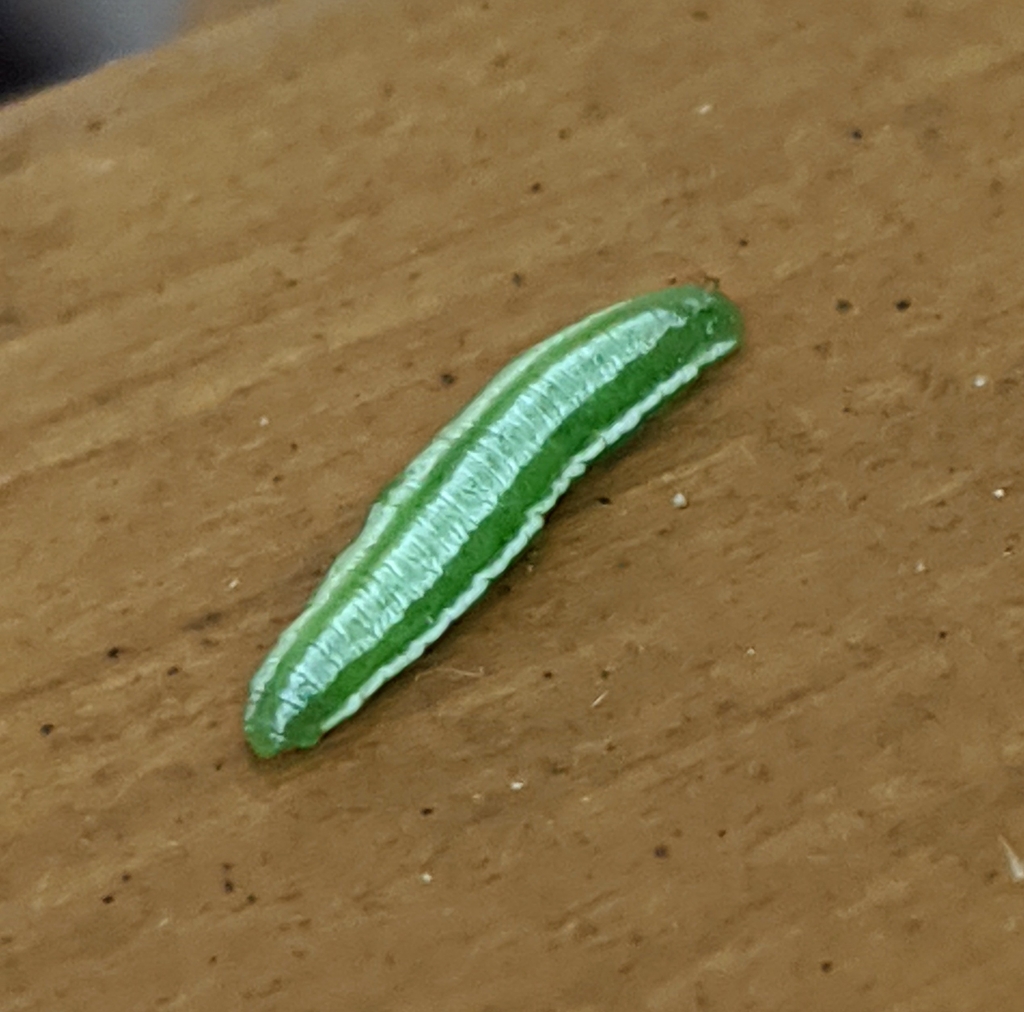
(46, 41)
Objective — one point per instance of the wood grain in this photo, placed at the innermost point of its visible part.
(765, 765)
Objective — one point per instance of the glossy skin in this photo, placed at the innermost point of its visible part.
(460, 513)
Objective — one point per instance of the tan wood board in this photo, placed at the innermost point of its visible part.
(207, 12)
(760, 753)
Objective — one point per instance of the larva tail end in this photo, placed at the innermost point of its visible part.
(266, 741)
(265, 745)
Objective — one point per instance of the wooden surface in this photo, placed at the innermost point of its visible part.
(207, 12)
(759, 753)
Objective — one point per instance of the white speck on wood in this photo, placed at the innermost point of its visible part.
(1015, 863)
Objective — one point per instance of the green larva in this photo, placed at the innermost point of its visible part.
(459, 514)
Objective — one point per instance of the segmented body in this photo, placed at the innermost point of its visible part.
(460, 513)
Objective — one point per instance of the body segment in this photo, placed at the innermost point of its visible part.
(471, 501)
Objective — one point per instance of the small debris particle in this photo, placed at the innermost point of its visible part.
(751, 652)
(661, 850)
(108, 899)
(536, 188)
(703, 110)
(264, 421)
(45, 729)
(426, 878)
(920, 567)
(517, 279)
(826, 966)
(999, 493)
(447, 379)
(857, 134)
(600, 699)
(1015, 863)
(233, 583)
(113, 653)
(604, 500)
(517, 785)
(843, 305)
(229, 886)
(680, 501)
(426, 811)
(173, 670)
(979, 381)
(902, 305)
